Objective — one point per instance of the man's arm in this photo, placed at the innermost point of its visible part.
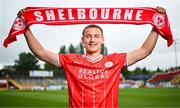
(147, 47)
(144, 50)
(39, 51)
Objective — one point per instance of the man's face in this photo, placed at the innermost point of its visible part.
(92, 40)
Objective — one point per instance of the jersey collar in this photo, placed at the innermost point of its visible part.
(93, 60)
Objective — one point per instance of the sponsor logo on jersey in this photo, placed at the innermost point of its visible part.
(92, 74)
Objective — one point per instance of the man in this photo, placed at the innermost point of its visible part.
(93, 79)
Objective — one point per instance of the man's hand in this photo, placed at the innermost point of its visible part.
(161, 9)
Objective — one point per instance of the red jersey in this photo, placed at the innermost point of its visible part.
(93, 84)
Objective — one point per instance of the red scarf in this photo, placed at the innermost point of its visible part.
(70, 16)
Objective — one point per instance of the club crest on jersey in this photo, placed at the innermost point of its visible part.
(159, 20)
(108, 64)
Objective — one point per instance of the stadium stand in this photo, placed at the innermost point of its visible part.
(165, 79)
(176, 80)
(3, 84)
(15, 84)
(32, 80)
(38, 83)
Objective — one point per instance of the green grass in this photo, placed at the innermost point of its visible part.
(128, 98)
(150, 98)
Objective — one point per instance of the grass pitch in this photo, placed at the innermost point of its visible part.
(128, 98)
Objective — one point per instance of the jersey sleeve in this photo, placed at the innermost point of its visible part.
(62, 59)
(122, 59)
(66, 58)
